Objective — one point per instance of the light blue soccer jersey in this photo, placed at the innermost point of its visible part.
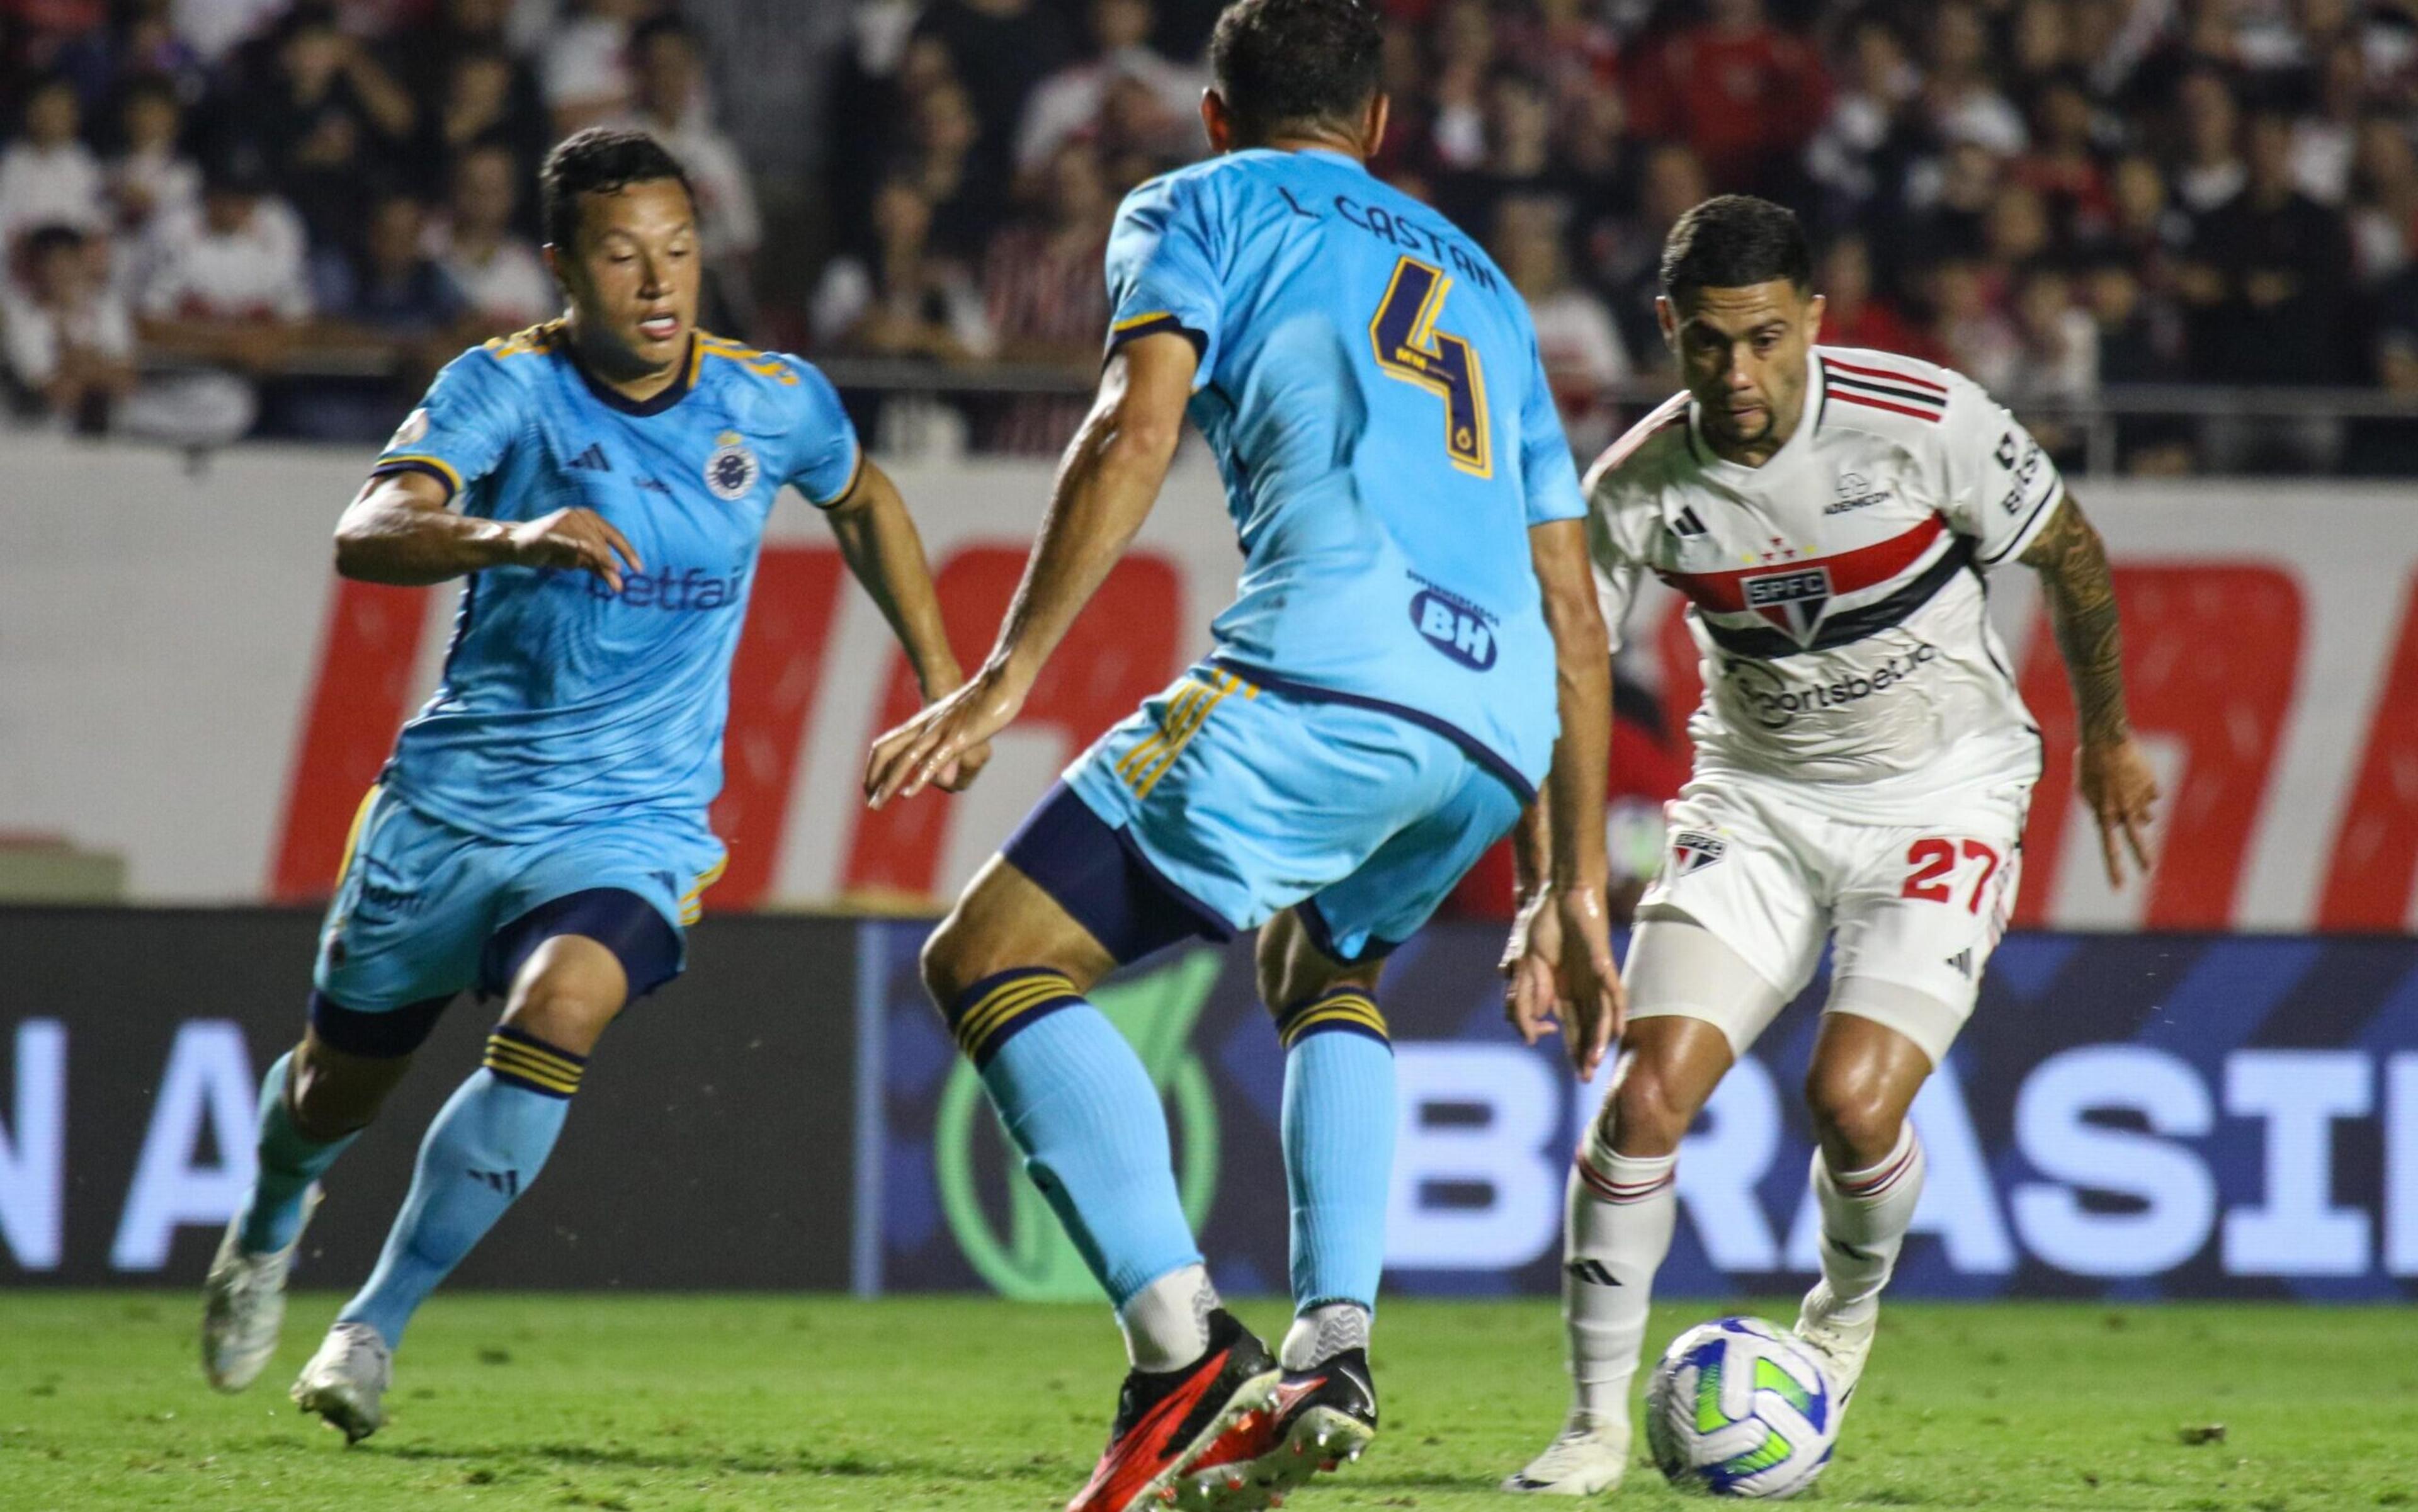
(1371, 386)
(561, 701)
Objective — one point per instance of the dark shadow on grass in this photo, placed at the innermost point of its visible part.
(729, 1462)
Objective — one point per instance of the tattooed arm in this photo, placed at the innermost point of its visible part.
(2110, 770)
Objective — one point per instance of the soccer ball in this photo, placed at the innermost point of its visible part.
(1738, 1407)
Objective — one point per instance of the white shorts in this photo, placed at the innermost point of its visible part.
(1916, 907)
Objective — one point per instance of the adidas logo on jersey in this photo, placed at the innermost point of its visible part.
(1962, 962)
(1687, 526)
(592, 460)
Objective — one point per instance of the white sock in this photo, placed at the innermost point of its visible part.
(1620, 1212)
(1167, 1322)
(1865, 1218)
(1323, 1333)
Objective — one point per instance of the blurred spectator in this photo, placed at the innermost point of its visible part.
(427, 59)
(483, 96)
(497, 270)
(2325, 141)
(48, 177)
(217, 27)
(899, 298)
(1867, 117)
(1519, 156)
(1045, 300)
(2212, 171)
(1069, 102)
(2138, 343)
(1630, 266)
(2384, 204)
(151, 175)
(942, 163)
(2274, 276)
(673, 110)
(141, 41)
(2062, 165)
(1963, 103)
(389, 298)
(324, 114)
(70, 343)
(585, 65)
(1464, 45)
(1854, 315)
(1001, 49)
(1741, 91)
(2056, 371)
(2041, 44)
(2388, 446)
(1583, 353)
(1977, 340)
(224, 286)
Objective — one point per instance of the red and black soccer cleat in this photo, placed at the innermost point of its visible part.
(1321, 1419)
(1167, 1420)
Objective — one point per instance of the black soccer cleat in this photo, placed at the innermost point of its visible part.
(1167, 1420)
(1321, 1419)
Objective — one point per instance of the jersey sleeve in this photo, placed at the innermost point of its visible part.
(828, 459)
(463, 426)
(1547, 470)
(2002, 487)
(1616, 574)
(1162, 269)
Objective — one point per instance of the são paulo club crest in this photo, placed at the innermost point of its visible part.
(731, 471)
(1692, 850)
(1792, 599)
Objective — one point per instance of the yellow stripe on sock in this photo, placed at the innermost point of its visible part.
(520, 1055)
(1006, 1003)
(1353, 1010)
(506, 1065)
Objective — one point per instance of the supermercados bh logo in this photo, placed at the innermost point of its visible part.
(1453, 625)
(1001, 1223)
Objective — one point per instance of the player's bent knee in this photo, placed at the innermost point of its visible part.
(1854, 1109)
(567, 991)
(1645, 1114)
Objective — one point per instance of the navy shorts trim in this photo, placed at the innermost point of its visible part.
(615, 918)
(1323, 936)
(1478, 750)
(1099, 876)
(376, 1037)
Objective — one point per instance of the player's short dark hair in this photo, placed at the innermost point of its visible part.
(600, 161)
(1733, 241)
(1296, 63)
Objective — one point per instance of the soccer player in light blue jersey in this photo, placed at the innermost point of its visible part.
(602, 481)
(1413, 643)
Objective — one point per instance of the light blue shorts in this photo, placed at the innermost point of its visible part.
(423, 909)
(1248, 800)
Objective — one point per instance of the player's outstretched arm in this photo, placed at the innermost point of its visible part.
(1561, 967)
(2110, 770)
(1105, 487)
(879, 540)
(398, 531)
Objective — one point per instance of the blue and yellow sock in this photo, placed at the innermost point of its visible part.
(1338, 1145)
(1078, 1103)
(486, 1146)
(288, 1163)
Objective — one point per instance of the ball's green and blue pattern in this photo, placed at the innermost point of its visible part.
(1738, 1408)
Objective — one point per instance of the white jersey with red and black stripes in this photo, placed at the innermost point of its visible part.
(1835, 593)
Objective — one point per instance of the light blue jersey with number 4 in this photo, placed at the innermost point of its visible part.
(1371, 386)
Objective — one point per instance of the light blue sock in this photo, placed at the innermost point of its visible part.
(1338, 1145)
(288, 1163)
(486, 1146)
(1077, 1102)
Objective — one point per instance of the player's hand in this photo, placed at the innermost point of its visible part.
(1562, 974)
(937, 745)
(2120, 790)
(581, 539)
(960, 774)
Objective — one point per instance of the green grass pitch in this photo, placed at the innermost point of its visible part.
(636, 1404)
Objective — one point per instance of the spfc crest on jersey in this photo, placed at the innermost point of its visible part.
(1792, 598)
(1692, 850)
(731, 471)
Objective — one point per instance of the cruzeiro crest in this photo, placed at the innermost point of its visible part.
(731, 470)
(1792, 599)
(1034, 1261)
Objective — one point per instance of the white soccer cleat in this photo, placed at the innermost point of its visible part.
(243, 1306)
(1590, 1457)
(1841, 1337)
(345, 1381)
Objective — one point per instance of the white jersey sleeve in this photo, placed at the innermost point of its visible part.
(2001, 486)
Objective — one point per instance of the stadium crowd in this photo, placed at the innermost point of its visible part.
(2056, 196)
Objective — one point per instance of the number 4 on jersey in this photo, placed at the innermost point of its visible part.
(1409, 347)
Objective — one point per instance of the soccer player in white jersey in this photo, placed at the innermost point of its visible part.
(1863, 762)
